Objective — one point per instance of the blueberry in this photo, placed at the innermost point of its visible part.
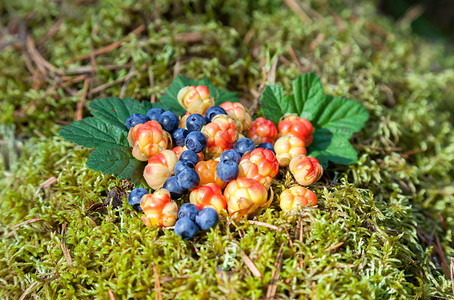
(186, 228)
(135, 196)
(207, 218)
(188, 210)
(266, 146)
(190, 155)
(179, 136)
(135, 119)
(171, 184)
(227, 170)
(183, 164)
(244, 145)
(195, 122)
(169, 121)
(155, 113)
(231, 155)
(196, 141)
(214, 111)
(188, 179)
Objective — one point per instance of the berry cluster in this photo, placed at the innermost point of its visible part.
(222, 159)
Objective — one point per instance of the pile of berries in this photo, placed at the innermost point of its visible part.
(218, 155)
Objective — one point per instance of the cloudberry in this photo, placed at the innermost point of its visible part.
(297, 196)
(262, 131)
(260, 165)
(196, 99)
(221, 135)
(160, 167)
(296, 126)
(305, 169)
(148, 139)
(245, 196)
(288, 147)
(159, 209)
(207, 172)
(209, 195)
(239, 113)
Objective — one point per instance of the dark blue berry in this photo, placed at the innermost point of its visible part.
(155, 113)
(169, 121)
(135, 196)
(227, 170)
(196, 141)
(188, 210)
(186, 228)
(207, 218)
(188, 179)
(214, 111)
(195, 122)
(171, 184)
(135, 119)
(183, 164)
(179, 136)
(244, 145)
(267, 146)
(190, 155)
(231, 155)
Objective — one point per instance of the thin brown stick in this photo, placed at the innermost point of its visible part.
(290, 242)
(157, 284)
(176, 70)
(272, 287)
(439, 250)
(51, 32)
(39, 60)
(334, 246)
(293, 5)
(73, 80)
(21, 224)
(24, 294)
(108, 48)
(109, 84)
(265, 225)
(452, 276)
(63, 246)
(270, 78)
(251, 266)
(295, 60)
(91, 69)
(125, 83)
(186, 37)
(48, 182)
(111, 295)
(411, 14)
(81, 103)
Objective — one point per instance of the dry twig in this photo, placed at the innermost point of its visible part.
(272, 287)
(252, 267)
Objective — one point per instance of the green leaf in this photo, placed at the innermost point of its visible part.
(116, 110)
(335, 119)
(328, 146)
(275, 103)
(93, 132)
(118, 161)
(308, 95)
(169, 98)
(341, 116)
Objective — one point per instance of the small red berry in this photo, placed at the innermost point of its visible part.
(260, 165)
(296, 126)
(305, 169)
(297, 196)
(209, 195)
(159, 209)
(262, 131)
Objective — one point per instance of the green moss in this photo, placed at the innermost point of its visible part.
(401, 186)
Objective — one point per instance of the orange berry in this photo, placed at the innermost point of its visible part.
(297, 196)
(296, 126)
(262, 131)
(196, 99)
(288, 147)
(245, 196)
(160, 167)
(221, 135)
(239, 113)
(305, 169)
(209, 195)
(159, 209)
(207, 172)
(260, 165)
